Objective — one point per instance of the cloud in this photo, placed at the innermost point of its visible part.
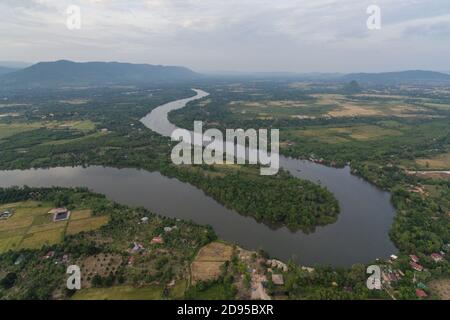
(307, 35)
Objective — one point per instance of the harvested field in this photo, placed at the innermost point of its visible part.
(209, 260)
(352, 110)
(88, 224)
(439, 162)
(431, 174)
(441, 288)
(80, 214)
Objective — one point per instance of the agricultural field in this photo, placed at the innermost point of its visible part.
(10, 129)
(336, 106)
(86, 224)
(438, 162)
(277, 109)
(341, 134)
(7, 130)
(82, 125)
(441, 288)
(31, 226)
(120, 293)
(101, 265)
(209, 261)
(85, 138)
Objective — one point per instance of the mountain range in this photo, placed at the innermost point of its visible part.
(64, 73)
(401, 77)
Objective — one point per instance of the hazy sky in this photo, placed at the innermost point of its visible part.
(239, 35)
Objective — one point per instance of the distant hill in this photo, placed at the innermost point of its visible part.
(65, 73)
(5, 70)
(412, 76)
(15, 64)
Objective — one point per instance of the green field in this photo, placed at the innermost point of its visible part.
(332, 105)
(86, 224)
(216, 291)
(32, 226)
(177, 292)
(120, 293)
(340, 134)
(7, 130)
(66, 141)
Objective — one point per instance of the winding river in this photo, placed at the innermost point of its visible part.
(360, 235)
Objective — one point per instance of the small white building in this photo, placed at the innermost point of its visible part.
(169, 229)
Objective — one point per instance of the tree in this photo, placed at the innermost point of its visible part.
(9, 280)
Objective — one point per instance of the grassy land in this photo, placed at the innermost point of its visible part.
(32, 226)
(333, 105)
(216, 291)
(439, 162)
(81, 139)
(87, 224)
(341, 134)
(177, 291)
(10, 129)
(81, 125)
(441, 288)
(208, 263)
(120, 293)
(131, 293)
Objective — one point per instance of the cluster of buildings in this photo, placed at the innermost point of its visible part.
(51, 254)
(259, 281)
(139, 246)
(414, 260)
(414, 263)
(390, 275)
(158, 239)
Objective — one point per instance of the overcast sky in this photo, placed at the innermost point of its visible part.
(235, 35)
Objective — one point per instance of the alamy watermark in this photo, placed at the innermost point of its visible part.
(209, 147)
(74, 280)
(374, 19)
(374, 280)
(73, 21)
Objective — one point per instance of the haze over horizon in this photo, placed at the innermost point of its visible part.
(244, 36)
